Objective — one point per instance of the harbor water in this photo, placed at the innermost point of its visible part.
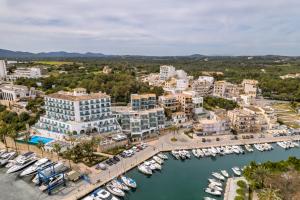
(186, 180)
(178, 180)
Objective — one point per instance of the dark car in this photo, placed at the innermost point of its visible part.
(113, 161)
(109, 162)
(116, 158)
(123, 155)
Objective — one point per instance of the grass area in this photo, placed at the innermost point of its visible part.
(58, 63)
(287, 115)
(88, 161)
(117, 150)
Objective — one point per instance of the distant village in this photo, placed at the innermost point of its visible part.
(79, 112)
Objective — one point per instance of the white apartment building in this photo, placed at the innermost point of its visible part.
(203, 86)
(140, 123)
(10, 92)
(250, 87)
(182, 84)
(166, 72)
(209, 79)
(226, 90)
(77, 112)
(32, 72)
(218, 123)
(179, 117)
(3, 71)
(181, 74)
(191, 103)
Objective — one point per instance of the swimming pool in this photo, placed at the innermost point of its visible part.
(35, 140)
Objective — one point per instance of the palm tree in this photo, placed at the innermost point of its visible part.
(41, 146)
(174, 129)
(57, 149)
(3, 132)
(27, 138)
(12, 133)
(259, 175)
(68, 154)
(269, 194)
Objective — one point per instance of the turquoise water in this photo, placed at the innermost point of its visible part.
(186, 180)
(36, 139)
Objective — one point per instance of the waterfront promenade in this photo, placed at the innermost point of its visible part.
(164, 143)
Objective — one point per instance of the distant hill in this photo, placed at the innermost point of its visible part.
(8, 54)
(58, 54)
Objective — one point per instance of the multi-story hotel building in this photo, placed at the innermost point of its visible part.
(77, 112)
(203, 86)
(3, 71)
(190, 103)
(140, 123)
(250, 87)
(143, 101)
(169, 102)
(166, 72)
(225, 89)
(10, 92)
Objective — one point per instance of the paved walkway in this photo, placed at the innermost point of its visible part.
(164, 144)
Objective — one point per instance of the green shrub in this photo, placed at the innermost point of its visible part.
(240, 191)
(242, 184)
(239, 198)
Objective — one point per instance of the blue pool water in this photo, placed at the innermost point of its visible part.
(36, 139)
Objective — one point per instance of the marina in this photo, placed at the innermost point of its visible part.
(193, 178)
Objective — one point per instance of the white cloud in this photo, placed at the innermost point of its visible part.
(152, 27)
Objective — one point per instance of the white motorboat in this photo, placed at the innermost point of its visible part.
(102, 194)
(119, 184)
(216, 182)
(18, 158)
(155, 164)
(175, 154)
(158, 160)
(208, 198)
(6, 157)
(218, 176)
(2, 151)
(150, 165)
(27, 159)
(53, 181)
(215, 187)
(162, 156)
(249, 148)
(129, 181)
(225, 173)
(34, 168)
(58, 167)
(144, 169)
(236, 171)
(114, 190)
(187, 153)
(195, 153)
(200, 152)
(182, 154)
(213, 192)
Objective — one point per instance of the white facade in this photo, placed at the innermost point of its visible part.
(181, 74)
(140, 122)
(3, 71)
(33, 72)
(166, 72)
(9, 92)
(206, 78)
(78, 112)
(182, 84)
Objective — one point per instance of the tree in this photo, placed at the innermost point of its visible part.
(27, 138)
(57, 149)
(3, 132)
(24, 116)
(269, 194)
(259, 175)
(41, 146)
(12, 133)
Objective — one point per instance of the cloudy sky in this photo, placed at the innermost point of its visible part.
(152, 27)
